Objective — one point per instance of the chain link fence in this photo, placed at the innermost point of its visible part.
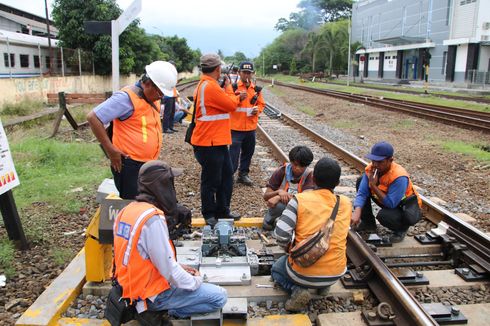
(69, 62)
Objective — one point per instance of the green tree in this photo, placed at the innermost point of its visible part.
(316, 43)
(135, 49)
(236, 58)
(177, 50)
(292, 68)
(307, 19)
(329, 10)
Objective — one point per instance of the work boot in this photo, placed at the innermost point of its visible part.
(245, 179)
(153, 318)
(299, 299)
(168, 131)
(231, 215)
(366, 227)
(211, 221)
(323, 291)
(398, 236)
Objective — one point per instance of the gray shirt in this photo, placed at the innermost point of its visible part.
(118, 106)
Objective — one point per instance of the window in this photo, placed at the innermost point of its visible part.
(36, 61)
(48, 62)
(443, 69)
(387, 57)
(6, 59)
(377, 58)
(394, 57)
(24, 60)
(465, 2)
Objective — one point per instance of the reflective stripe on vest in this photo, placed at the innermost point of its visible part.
(204, 116)
(127, 252)
(248, 111)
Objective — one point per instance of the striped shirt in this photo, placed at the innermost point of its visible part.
(286, 224)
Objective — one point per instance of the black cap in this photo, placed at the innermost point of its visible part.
(246, 66)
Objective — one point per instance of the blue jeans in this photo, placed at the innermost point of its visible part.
(179, 116)
(280, 275)
(168, 113)
(216, 180)
(244, 142)
(183, 303)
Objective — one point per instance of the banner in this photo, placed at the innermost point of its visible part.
(8, 175)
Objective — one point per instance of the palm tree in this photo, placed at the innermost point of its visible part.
(315, 43)
(332, 38)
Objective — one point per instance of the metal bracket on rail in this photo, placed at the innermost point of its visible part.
(383, 315)
(471, 273)
(445, 315)
(357, 278)
(376, 240)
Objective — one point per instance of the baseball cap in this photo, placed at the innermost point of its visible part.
(380, 151)
(156, 169)
(210, 60)
(246, 66)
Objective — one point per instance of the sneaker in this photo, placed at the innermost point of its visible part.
(398, 237)
(231, 215)
(211, 221)
(267, 227)
(168, 131)
(299, 300)
(245, 179)
(366, 227)
(151, 318)
(173, 130)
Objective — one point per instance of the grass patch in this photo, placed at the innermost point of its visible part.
(61, 255)
(48, 169)
(345, 124)
(479, 151)
(307, 110)
(26, 107)
(7, 258)
(276, 91)
(404, 123)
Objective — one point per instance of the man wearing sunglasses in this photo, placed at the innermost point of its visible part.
(134, 115)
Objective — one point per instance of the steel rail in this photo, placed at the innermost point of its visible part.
(476, 241)
(385, 286)
(461, 117)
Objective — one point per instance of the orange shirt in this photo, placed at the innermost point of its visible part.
(213, 109)
(242, 119)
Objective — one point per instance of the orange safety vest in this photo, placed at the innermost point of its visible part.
(314, 208)
(139, 278)
(139, 136)
(242, 119)
(390, 176)
(213, 109)
(302, 180)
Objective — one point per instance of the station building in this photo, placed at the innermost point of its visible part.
(399, 36)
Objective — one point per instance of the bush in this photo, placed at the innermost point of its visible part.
(23, 108)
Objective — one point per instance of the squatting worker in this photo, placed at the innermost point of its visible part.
(137, 130)
(244, 123)
(144, 255)
(304, 215)
(211, 138)
(387, 184)
(285, 182)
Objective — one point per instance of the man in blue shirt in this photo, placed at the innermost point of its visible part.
(387, 184)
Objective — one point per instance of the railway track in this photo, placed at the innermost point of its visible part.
(365, 263)
(470, 119)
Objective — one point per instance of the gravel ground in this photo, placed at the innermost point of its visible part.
(459, 180)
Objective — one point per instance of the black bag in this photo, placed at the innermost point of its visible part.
(118, 310)
(192, 125)
(411, 210)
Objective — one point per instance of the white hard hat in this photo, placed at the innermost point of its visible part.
(163, 74)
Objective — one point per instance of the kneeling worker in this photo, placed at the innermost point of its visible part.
(304, 215)
(388, 185)
(144, 255)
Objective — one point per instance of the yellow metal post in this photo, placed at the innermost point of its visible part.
(98, 257)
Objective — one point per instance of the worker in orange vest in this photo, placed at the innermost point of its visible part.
(145, 258)
(304, 215)
(137, 131)
(388, 184)
(211, 137)
(244, 123)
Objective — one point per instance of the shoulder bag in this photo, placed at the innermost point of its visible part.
(308, 251)
(192, 125)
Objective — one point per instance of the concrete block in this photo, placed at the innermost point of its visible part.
(105, 188)
(281, 320)
(340, 319)
(466, 217)
(96, 288)
(437, 201)
(476, 313)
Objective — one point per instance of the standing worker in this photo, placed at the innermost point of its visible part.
(137, 130)
(389, 186)
(211, 137)
(244, 123)
(168, 102)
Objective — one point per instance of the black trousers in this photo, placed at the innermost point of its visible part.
(168, 113)
(126, 181)
(391, 218)
(216, 180)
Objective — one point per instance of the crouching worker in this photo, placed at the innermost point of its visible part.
(289, 179)
(304, 215)
(145, 258)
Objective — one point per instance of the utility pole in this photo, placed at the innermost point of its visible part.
(349, 55)
(49, 38)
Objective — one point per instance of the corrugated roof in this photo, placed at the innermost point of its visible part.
(26, 21)
(26, 38)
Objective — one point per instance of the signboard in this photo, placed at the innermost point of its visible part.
(8, 175)
(129, 15)
(109, 209)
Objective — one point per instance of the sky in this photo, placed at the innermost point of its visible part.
(210, 25)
